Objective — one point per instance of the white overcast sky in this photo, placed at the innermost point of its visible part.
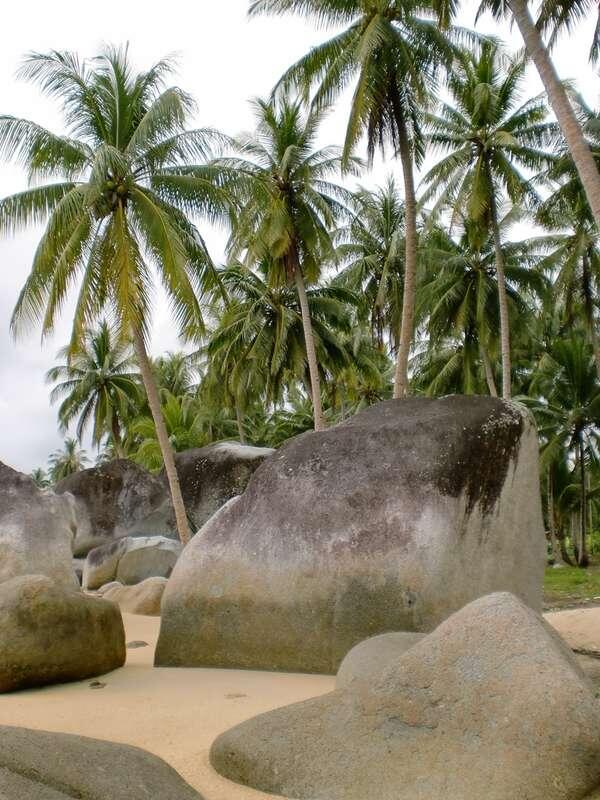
(223, 60)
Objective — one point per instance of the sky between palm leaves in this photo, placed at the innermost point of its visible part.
(223, 61)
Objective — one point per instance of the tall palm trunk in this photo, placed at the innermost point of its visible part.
(580, 151)
(311, 353)
(489, 373)
(183, 528)
(589, 311)
(582, 556)
(502, 295)
(116, 436)
(410, 262)
(554, 543)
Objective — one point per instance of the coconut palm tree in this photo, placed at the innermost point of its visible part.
(569, 12)
(370, 249)
(458, 300)
(40, 477)
(566, 403)
(288, 208)
(258, 346)
(489, 140)
(115, 212)
(98, 384)
(392, 49)
(67, 461)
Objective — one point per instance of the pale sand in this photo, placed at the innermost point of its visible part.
(579, 627)
(174, 713)
(177, 713)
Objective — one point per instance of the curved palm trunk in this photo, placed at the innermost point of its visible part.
(311, 354)
(183, 528)
(410, 265)
(580, 151)
(502, 296)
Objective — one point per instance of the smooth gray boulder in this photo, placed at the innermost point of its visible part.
(389, 521)
(210, 476)
(367, 660)
(490, 705)
(49, 634)
(130, 560)
(36, 530)
(36, 765)
(115, 500)
(144, 598)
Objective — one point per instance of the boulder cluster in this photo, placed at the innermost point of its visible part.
(402, 549)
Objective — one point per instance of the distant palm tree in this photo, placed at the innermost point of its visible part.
(40, 477)
(568, 413)
(118, 210)
(392, 48)
(489, 139)
(98, 384)
(289, 208)
(67, 461)
(371, 250)
(175, 373)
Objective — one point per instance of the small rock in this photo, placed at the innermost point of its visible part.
(97, 685)
(136, 644)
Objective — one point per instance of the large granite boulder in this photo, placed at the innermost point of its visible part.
(389, 521)
(53, 635)
(371, 657)
(210, 476)
(36, 530)
(115, 500)
(130, 560)
(144, 598)
(36, 765)
(490, 705)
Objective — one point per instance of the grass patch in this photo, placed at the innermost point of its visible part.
(569, 585)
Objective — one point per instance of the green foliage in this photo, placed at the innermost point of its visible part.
(67, 461)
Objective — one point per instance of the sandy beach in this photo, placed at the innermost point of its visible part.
(174, 713)
(177, 713)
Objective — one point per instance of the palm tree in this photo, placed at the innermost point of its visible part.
(569, 13)
(568, 413)
(98, 384)
(175, 373)
(393, 49)
(458, 305)
(370, 248)
(488, 139)
(117, 210)
(40, 477)
(289, 208)
(67, 461)
(258, 347)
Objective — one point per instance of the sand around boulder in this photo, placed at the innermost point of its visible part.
(491, 705)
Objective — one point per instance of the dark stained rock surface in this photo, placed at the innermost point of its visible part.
(53, 635)
(130, 560)
(490, 705)
(389, 521)
(210, 476)
(36, 530)
(36, 765)
(115, 500)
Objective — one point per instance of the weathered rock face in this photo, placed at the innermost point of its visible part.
(53, 635)
(130, 560)
(115, 500)
(373, 656)
(491, 704)
(389, 521)
(36, 765)
(210, 476)
(145, 598)
(36, 530)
